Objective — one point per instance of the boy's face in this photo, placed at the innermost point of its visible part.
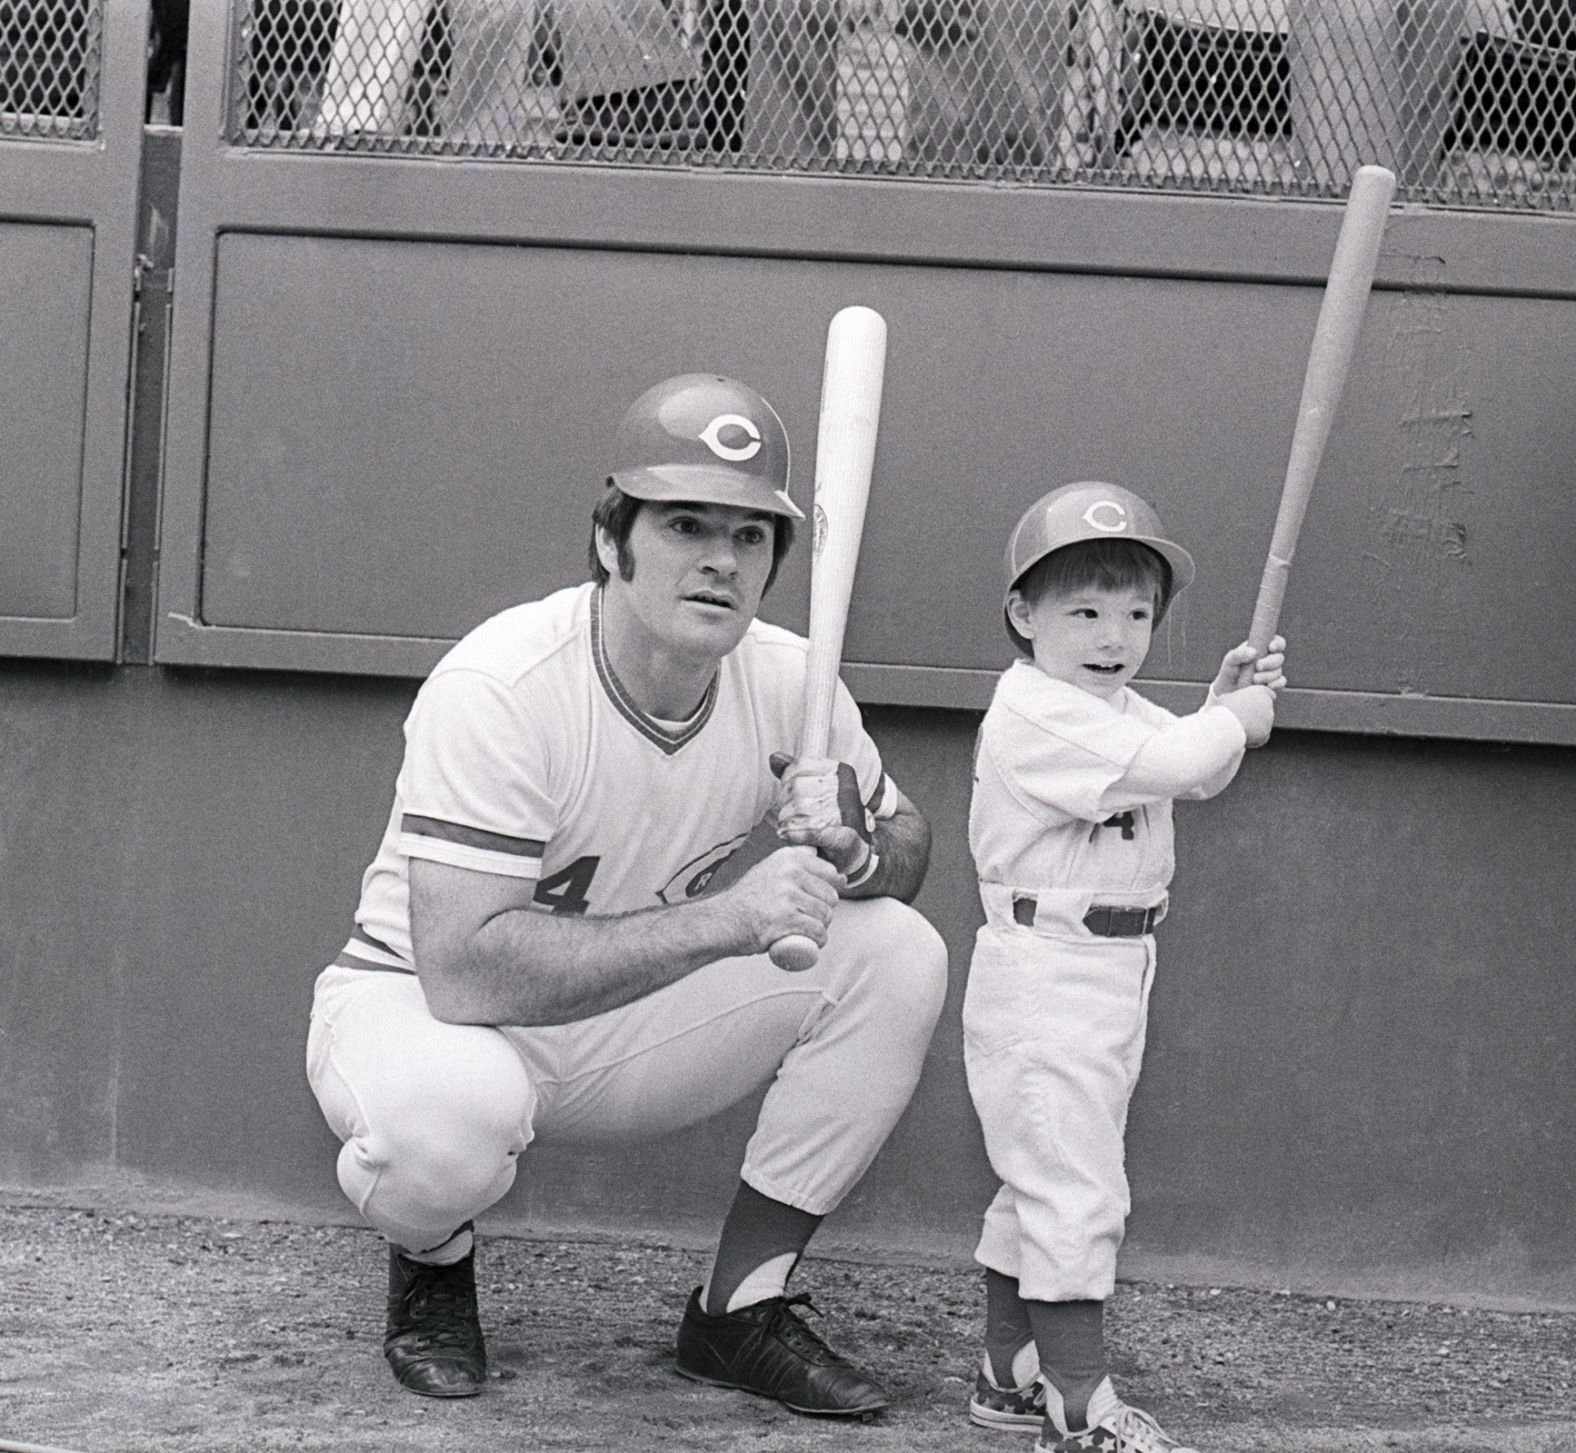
(1090, 637)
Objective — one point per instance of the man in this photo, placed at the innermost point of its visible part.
(564, 933)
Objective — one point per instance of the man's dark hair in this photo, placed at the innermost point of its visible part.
(1104, 564)
(615, 512)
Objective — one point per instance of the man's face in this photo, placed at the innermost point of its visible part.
(700, 571)
(1091, 637)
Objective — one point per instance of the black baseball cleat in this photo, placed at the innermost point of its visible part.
(433, 1340)
(765, 1349)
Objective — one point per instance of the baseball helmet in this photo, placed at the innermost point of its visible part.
(706, 438)
(1090, 510)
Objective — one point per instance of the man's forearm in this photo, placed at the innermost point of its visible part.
(524, 967)
(486, 956)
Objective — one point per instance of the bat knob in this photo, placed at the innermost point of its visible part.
(795, 953)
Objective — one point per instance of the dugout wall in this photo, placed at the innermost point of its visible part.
(419, 270)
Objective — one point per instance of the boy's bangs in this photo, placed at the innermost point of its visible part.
(1103, 565)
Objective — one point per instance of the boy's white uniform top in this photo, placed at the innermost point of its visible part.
(525, 757)
(1055, 1016)
(1048, 815)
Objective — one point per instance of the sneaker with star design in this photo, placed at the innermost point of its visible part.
(1109, 1426)
(1011, 1409)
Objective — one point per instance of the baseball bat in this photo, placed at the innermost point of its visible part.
(845, 448)
(1334, 343)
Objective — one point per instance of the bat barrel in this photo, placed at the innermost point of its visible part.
(851, 384)
(1334, 345)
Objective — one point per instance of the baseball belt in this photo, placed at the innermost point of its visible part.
(1107, 920)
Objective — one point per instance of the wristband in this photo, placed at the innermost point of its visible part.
(866, 872)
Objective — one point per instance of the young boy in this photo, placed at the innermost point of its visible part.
(1070, 827)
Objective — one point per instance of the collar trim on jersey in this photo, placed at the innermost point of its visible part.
(668, 740)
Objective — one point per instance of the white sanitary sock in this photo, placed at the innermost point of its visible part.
(769, 1279)
(445, 1253)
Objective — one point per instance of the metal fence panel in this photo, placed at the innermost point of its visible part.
(44, 337)
(428, 458)
(1472, 101)
(51, 63)
(71, 103)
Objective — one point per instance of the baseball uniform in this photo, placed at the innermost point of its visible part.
(526, 757)
(1073, 869)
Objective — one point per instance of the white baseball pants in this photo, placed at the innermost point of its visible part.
(1053, 1037)
(433, 1116)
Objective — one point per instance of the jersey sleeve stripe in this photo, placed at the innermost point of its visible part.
(436, 829)
(462, 855)
(366, 952)
(349, 960)
(362, 938)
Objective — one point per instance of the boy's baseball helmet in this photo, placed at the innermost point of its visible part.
(706, 438)
(1090, 510)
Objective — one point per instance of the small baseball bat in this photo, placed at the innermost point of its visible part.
(844, 454)
(1334, 343)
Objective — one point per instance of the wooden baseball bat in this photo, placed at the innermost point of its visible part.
(844, 453)
(1334, 343)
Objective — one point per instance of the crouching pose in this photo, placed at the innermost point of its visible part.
(598, 831)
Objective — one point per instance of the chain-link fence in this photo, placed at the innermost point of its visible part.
(51, 55)
(1473, 102)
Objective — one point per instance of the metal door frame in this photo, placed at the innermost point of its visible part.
(92, 183)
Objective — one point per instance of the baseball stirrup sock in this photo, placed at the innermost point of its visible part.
(1007, 1332)
(756, 1235)
(1070, 1337)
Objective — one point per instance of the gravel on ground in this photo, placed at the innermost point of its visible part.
(127, 1329)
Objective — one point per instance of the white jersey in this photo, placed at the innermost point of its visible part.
(525, 757)
(1042, 818)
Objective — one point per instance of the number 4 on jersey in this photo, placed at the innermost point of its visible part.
(565, 891)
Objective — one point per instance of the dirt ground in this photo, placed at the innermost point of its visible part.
(127, 1328)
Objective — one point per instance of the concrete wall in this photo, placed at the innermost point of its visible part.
(1360, 1066)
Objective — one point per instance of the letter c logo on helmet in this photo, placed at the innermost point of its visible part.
(706, 439)
(1092, 519)
(1091, 509)
(734, 451)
